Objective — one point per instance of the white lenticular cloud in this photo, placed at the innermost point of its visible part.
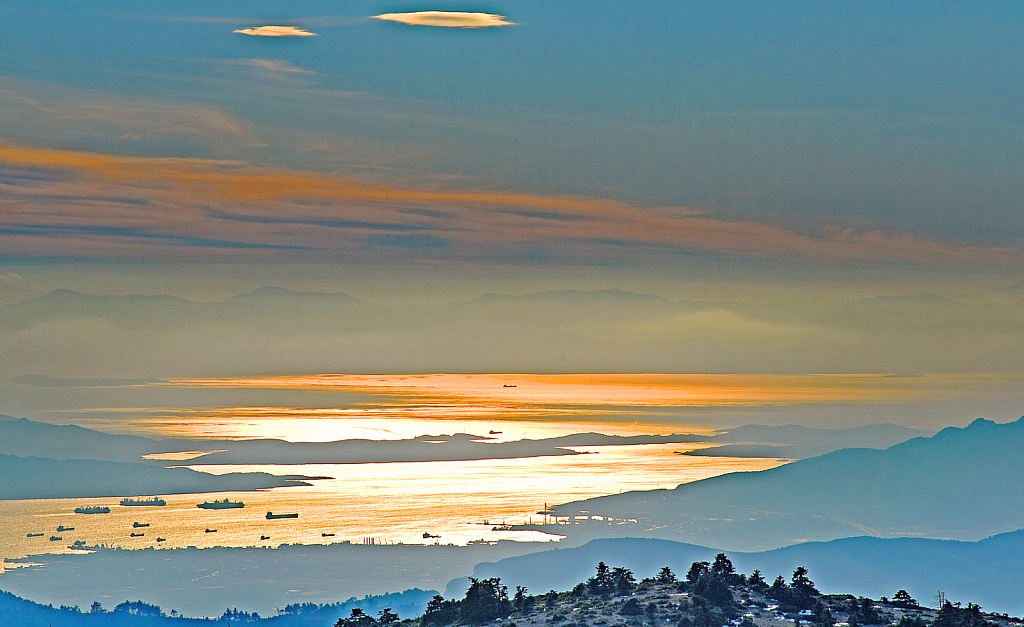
(275, 31)
(446, 19)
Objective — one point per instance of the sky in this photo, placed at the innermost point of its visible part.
(809, 187)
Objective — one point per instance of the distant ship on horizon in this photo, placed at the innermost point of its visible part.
(156, 501)
(136, 525)
(225, 504)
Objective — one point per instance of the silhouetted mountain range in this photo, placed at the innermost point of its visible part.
(960, 483)
(799, 442)
(25, 437)
(38, 478)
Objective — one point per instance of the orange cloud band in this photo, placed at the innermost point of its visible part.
(215, 208)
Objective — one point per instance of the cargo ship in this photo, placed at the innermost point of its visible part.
(92, 509)
(225, 504)
(80, 545)
(156, 501)
(273, 516)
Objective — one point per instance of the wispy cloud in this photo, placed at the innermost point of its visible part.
(276, 65)
(93, 204)
(275, 31)
(446, 19)
(41, 110)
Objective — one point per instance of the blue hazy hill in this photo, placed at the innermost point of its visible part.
(19, 612)
(800, 442)
(961, 483)
(981, 572)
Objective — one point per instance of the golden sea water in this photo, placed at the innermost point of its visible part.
(399, 502)
(459, 501)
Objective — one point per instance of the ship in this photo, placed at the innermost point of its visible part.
(156, 501)
(136, 535)
(161, 539)
(273, 516)
(225, 504)
(63, 528)
(80, 545)
(35, 535)
(137, 525)
(211, 531)
(264, 537)
(55, 538)
(427, 534)
(92, 509)
(326, 535)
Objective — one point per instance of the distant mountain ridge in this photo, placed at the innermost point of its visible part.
(22, 437)
(25, 437)
(39, 478)
(569, 296)
(799, 442)
(960, 483)
(161, 310)
(271, 294)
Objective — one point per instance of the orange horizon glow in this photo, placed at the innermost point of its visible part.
(643, 390)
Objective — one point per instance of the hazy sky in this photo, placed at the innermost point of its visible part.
(611, 132)
(828, 186)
